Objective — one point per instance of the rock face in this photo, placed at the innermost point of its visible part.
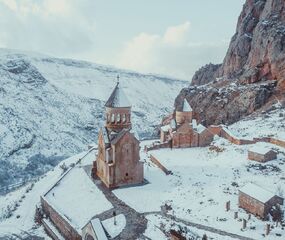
(225, 105)
(257, 50)
(254, 64)
(206, 74)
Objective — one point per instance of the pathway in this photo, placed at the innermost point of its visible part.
(136, 223)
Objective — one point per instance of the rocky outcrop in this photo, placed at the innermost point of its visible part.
(205, 74)
(254, 65)
(257, 50)
(226, 105)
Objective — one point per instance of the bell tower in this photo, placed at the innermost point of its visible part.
(118, 110)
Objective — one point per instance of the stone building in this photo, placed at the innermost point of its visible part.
(93, 230)
(118, 160)
(257, 200)
(182, 130)
(261, 152)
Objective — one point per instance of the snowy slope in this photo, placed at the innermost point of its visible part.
(52, 108)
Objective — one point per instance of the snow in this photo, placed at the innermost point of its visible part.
(261, 147)
(53, 228)
(66, 108)
(265, 125)
(203, 180)
(200, 128)
(165, 128)
(77, 198)
(28, 200)
(115, 230)
(96, 224)
(257, 192)
(186, 106)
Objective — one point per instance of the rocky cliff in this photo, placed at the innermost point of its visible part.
(254, 66)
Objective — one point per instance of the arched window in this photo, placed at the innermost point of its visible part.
(124, 119)
(88, 237)
(118, 118)
(113, 118)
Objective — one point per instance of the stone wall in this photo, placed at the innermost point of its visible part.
(262, 157)
(159, 165)
(59, 222)
(157, 146)
(49, 231)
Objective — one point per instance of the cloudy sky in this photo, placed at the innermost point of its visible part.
(169, 37)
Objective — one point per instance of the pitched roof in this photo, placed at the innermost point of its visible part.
(186, 106)
(261, 148)
(98, 229)
(257, 192)
(118, 98)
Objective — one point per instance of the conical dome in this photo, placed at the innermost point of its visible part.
(118, 98)
(186, 106)
(118, 111)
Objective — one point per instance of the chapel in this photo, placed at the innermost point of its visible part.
(118, 160)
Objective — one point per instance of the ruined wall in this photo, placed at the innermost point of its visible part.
(59, 222)
(159, 165)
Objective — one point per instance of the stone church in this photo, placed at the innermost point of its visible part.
(118, 160)
(182, 129)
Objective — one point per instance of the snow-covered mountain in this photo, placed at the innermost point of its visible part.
(52, 108)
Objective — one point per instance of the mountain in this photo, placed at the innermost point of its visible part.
(252, 74)
(52, 108)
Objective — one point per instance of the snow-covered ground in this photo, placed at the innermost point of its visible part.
(115, 226)
(52, 108)
(203, 180)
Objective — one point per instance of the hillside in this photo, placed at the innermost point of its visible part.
(253, 71)
(52, 108)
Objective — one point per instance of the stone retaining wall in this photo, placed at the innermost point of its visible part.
(67, 231)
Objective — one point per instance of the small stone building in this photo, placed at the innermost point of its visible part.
(257, 200)
(118, 160)
(261, 152)
(93, 230)
(182, 130)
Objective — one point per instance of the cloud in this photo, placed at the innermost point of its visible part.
(176, 34)
(56, 27)
(171, 53)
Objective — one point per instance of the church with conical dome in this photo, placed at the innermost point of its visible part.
(118, 160)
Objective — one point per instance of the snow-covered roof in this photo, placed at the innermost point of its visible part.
(186, 106)
(98, 229)
(257, 192)
(261, 148)
(118, 98)
(200, 128)
(77, 198)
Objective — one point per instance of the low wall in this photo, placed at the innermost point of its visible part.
(49, 231)
(157, 146)
(275, 141)
(67, 231)
(159, 165)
